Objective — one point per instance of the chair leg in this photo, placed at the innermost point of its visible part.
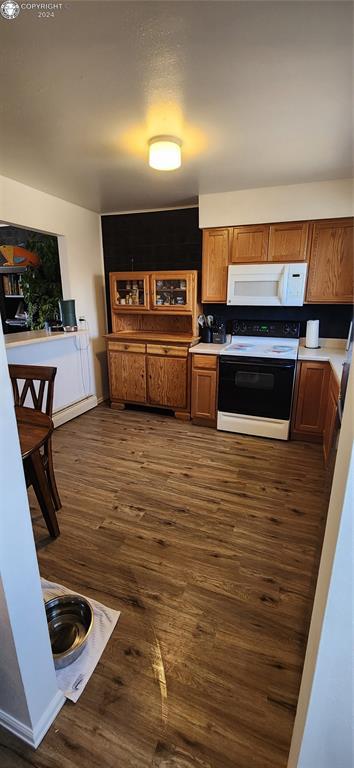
(42, 491)
(51, 476)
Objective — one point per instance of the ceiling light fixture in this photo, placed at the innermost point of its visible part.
(165, 153)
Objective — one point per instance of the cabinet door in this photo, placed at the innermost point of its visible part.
(288, 242)
(127, 376)
(167, 381)
(129, 291)
(172, 291)
(214, 266)
(203, 394)
(249, 244)
(330, 277)
(312, 393)
(330, 417)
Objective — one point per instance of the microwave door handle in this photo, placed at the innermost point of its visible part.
(282, 285)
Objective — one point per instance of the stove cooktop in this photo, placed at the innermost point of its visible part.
(252, 346)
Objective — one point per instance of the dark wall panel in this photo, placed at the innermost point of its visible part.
(151, 241)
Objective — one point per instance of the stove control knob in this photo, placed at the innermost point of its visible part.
(289, 330)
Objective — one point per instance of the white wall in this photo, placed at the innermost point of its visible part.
(29, 696)
(317, 200)
(324, 720)
(80, 249)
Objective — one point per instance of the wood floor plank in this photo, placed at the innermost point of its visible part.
(208, 543)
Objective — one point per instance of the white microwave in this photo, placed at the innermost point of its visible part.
(265, 285)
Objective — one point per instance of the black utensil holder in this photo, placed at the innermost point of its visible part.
(206, 335)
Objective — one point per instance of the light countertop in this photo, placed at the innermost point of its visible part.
(208, 349)
(37, 337)
(331, 351)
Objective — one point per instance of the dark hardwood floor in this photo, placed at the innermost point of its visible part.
(209, 544)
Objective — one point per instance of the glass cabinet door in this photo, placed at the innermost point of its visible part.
(171, 291)
(130, 291)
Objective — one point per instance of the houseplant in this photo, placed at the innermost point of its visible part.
(41, 286)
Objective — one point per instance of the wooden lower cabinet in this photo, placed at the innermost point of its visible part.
(310, 402)
(127, 376)
(154, 374)
(204, 389)
(330, 417)
(167, 381)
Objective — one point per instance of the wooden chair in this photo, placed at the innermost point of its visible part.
(44, 377)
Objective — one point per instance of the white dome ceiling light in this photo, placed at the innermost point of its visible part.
(165, 153)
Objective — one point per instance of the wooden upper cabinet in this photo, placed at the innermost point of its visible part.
(173, 290)
(214, 267)
(330, 277)
(249, 244)
(288, 241)
(129, 291)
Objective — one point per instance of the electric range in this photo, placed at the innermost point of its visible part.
(256, 378)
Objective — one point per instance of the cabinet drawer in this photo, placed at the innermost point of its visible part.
(167, 351)
(121, 346)
(205, 361)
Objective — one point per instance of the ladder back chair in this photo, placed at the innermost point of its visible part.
(35, 383)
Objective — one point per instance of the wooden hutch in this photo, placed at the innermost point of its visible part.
(154, 323)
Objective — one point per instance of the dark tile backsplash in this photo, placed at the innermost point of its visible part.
(334, 319)
(172, 240)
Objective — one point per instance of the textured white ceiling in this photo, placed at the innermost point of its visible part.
(259, 92)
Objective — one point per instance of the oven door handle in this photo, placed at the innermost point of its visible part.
(274, 364)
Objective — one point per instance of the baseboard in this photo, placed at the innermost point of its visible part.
(74, 410)
(33, 736)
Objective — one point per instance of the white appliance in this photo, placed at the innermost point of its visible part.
(277, 285)
(256, 378)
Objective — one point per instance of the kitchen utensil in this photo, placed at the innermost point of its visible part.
(210, 320)
(201, 320)
(70, 620)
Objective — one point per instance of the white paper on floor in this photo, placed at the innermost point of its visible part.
(73, 678)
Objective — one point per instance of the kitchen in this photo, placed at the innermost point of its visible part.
(203, 435)
(263, 271)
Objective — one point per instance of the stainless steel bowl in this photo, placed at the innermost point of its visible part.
(70, 620)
